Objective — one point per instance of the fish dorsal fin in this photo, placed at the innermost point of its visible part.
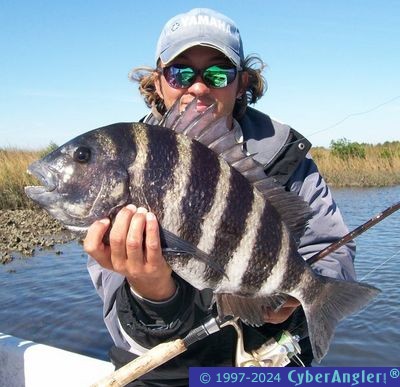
(190, 121)
(171, 116)
(214, 133)
(294, 211)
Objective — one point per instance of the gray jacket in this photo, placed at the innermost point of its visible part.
(136, 324)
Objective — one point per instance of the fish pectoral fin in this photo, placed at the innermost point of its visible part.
(172, 244)
(249, 309)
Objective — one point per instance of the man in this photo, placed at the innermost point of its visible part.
(200, 55)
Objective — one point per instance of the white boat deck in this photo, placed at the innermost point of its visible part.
(24, 363)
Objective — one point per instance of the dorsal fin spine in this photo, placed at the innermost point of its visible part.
(171, 116)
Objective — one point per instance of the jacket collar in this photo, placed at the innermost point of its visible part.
(264, 137)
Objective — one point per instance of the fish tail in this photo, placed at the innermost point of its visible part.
(334, 300)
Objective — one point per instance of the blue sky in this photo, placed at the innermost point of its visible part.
(333, 66)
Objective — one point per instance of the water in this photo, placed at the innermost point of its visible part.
(371, 337)
(50, 299)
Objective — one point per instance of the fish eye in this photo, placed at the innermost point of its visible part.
(82, 154)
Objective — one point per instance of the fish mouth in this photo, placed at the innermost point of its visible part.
(45, 175)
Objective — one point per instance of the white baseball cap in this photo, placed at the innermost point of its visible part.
(200, 27)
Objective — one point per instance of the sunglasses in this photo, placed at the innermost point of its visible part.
(182, 76)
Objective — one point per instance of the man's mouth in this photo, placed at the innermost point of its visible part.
(201, 106)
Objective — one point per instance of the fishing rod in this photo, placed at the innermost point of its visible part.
(355, 233)
(276, 352)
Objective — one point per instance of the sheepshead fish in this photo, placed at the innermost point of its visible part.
(224, 225)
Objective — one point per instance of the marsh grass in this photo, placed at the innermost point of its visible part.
(375, 166)
(13, 177)
(379, 166)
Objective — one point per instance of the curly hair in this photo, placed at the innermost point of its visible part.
(256, 86)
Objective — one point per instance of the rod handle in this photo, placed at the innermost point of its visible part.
(155, 357)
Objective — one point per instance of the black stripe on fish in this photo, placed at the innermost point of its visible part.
(260, 265)
(233, 223)
(119, 140)
(162, 158)
(200, 190)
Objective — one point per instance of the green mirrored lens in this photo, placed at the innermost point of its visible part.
(185, 76)
(217, 76)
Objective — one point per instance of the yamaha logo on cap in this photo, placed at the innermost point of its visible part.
(175, 26)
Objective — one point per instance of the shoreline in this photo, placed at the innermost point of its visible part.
(25, 231)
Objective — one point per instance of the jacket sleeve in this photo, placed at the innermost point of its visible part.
(326, 225)
(135, 323)
(106, 283)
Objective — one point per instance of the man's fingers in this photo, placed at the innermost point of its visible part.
(283, 313)
(291, 302)
(93, 243)
(134, 239)
(277, 317)
(153, 244)
(119, 232)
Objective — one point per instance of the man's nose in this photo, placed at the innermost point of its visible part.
(199, 87)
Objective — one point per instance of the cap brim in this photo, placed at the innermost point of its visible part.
(171, 53)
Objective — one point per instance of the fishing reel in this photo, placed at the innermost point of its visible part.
(276, 352)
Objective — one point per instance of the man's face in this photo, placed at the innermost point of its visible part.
(200, 57)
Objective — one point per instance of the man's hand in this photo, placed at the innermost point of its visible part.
(283, 313)
(134, 252)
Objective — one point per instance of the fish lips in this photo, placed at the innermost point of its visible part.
(48, 177)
